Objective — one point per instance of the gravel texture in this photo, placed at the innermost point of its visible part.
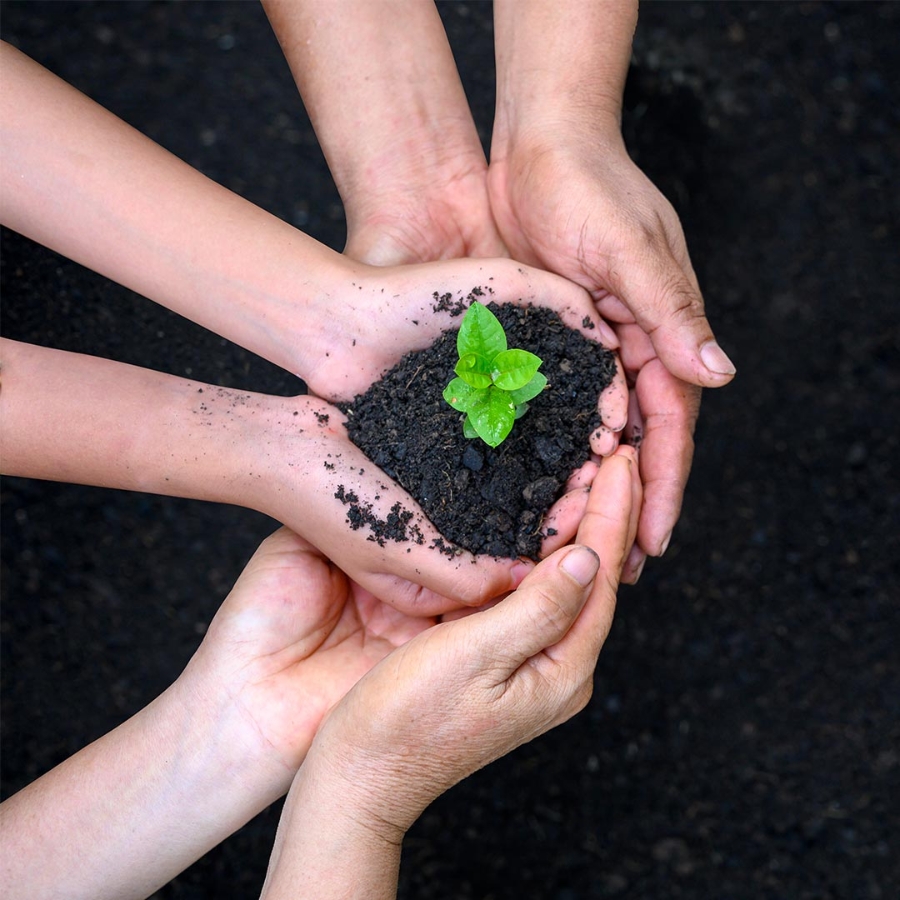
(742, 739)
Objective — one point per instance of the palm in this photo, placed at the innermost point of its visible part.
(293, 637)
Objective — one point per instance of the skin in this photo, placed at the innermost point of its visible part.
(109, 198)
(76, 418)
(559, 192)
(121, 818)
(294, 636)
(449, 702)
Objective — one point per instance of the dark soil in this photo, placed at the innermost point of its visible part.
(741, 742)
(487, 500)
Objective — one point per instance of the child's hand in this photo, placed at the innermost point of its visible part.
(306, 473)
(292, 637)
(382, 314)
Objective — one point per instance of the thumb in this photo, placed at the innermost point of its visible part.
(665, 300)
(538, 614)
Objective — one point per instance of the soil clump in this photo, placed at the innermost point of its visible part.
(486, 500)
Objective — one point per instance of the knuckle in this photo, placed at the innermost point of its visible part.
(549, 611)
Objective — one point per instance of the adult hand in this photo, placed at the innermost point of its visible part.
(565, 195)
(404, 152)
(622, 242)
(455, 698)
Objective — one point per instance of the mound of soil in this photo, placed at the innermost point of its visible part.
(486, 500)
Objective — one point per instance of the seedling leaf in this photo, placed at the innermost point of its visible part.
(513, 369)
(530, 391)
(459, 394)
(492, 414)
(480, 333)
(493, 384)
(474, 370)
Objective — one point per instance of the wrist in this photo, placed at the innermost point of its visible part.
(355, 796)
(329, 844)
(561, 68)
(227, 765)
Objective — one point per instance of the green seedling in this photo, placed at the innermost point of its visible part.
(493, 384)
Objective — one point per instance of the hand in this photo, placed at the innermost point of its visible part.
(466, 692)
(305, 472)
(384, 313)
(450, 701)
(293, 636)
(622, 241)
(71, 417)
(129, 811)
(424, 212)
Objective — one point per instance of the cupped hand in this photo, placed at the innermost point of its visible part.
(309, 475)
(588, 213)
(293, 636)
(465, 692)
(384, 313)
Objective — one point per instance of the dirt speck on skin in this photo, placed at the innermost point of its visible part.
(398, 526)
(486, 500)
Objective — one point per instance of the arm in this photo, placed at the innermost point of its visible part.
(449, 702)
(403, 151)
(66, 416)
(128, 812)
(106, 196)
(109, 198)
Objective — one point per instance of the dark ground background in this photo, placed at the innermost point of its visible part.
(743, 739)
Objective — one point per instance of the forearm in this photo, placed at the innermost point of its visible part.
(76, 418)
(383, 93)
(560, 64)
(327, 849)
(81, 181)
(127, 813)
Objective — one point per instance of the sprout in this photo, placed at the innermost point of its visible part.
(493, 384)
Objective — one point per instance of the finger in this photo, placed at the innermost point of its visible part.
(583, 476)
(610, 518)
(667, 304)
(612, 309)
(669, 409)
(562, 519)
(608, 527)
(537, 615)
(603, 441)
(613, 401)
(634, 565)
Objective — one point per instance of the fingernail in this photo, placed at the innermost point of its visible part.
(716, 360)
(665, 543)
(634, 565)
(639, 571)
(582, 564)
